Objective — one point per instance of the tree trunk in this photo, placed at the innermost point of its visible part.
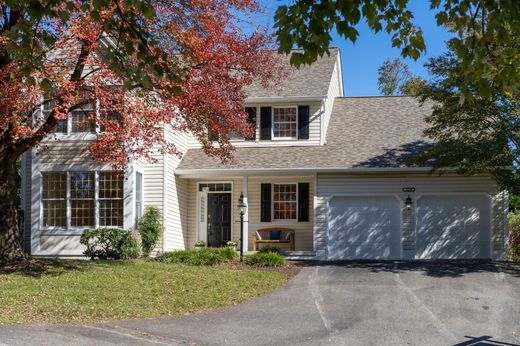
(10, 233)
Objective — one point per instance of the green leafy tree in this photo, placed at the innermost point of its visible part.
(395, 78)
(481, 135)
(485, 34)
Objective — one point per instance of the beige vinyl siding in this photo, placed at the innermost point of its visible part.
(64, 152)
(315, 112)
(335, 90)
(334, 184)
(303, 230)
(175, 194)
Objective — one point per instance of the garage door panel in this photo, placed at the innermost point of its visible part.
(452, 227)
(363, 227)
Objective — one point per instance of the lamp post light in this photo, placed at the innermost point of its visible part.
(242, 206)
(408, 203)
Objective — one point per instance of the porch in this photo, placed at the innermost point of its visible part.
(272, 202)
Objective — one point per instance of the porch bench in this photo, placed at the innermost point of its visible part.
(263, 236)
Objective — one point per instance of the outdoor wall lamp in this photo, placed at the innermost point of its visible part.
(242, 206)
(408, 203)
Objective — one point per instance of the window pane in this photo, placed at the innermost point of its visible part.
(82, 198)
(54, 213)
(54, 185)
(138, 195)
(110, 120)
(82, 185)
(82, 121)
(111, 213)
(82, 212)
(110, 185)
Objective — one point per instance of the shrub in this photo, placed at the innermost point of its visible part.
(269, 259)
(150, 229)
(209, 256)
(514, 203)
(269, 249)
(514, 237)
(109, 243)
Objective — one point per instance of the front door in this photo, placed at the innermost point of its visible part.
(219, 218)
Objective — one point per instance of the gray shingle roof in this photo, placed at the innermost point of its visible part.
(364, 132)
(308, 80)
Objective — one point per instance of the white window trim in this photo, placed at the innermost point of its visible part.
(68, 227)
(272, 201)
(201, 233)
(272, 124)
(69, 135)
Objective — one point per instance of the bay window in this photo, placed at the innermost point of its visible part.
(82, 199)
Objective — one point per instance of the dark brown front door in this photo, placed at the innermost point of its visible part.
(219, 218)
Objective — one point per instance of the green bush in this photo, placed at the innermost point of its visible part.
(269, 249)
(109, 243)
(150, 229)
(514, 237)
(514, 203)
(269, 259)
(209, 256)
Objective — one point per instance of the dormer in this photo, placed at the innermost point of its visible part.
(297, 111)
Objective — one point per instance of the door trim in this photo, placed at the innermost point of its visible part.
(201, 231)
(395, 195)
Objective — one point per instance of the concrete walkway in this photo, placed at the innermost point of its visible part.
(391, 303)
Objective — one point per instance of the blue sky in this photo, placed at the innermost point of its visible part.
(362, 59)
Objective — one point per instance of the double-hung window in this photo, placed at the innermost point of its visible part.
(285, 201)
(285, 122)
(82, 199)
(80, 120)
(54, 199)
(110, 199)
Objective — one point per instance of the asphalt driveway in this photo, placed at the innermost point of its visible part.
(391, 303)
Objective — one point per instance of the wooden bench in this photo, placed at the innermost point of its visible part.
(263, 236)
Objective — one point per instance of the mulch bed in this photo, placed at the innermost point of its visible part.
(291, 269)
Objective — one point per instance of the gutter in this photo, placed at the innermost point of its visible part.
(290, 171)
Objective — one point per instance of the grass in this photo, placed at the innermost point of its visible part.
(68, 291)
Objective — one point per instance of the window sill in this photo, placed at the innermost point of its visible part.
(72, 137)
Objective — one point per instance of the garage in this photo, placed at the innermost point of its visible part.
(363, 227)
(453, 227)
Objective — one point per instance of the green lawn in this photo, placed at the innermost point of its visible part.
(62, 291)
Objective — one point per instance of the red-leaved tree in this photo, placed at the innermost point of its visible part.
(145, 64)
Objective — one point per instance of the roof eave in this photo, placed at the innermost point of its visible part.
(193, 173)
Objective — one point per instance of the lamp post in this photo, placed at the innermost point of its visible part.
(408, 203)
(242, 206)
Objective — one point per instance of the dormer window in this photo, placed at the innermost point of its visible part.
(285, 122)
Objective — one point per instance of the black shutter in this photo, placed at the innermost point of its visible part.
(265, 199)
(303, 122)
(265, 123)
(303, 201)
(251, 118)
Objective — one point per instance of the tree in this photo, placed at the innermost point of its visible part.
(395, 78)
(183, 64)
(485, 33)
(476, 136)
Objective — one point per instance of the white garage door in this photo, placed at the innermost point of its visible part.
(452, 227)
(363, 227)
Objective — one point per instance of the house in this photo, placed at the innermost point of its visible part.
(329, 167)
